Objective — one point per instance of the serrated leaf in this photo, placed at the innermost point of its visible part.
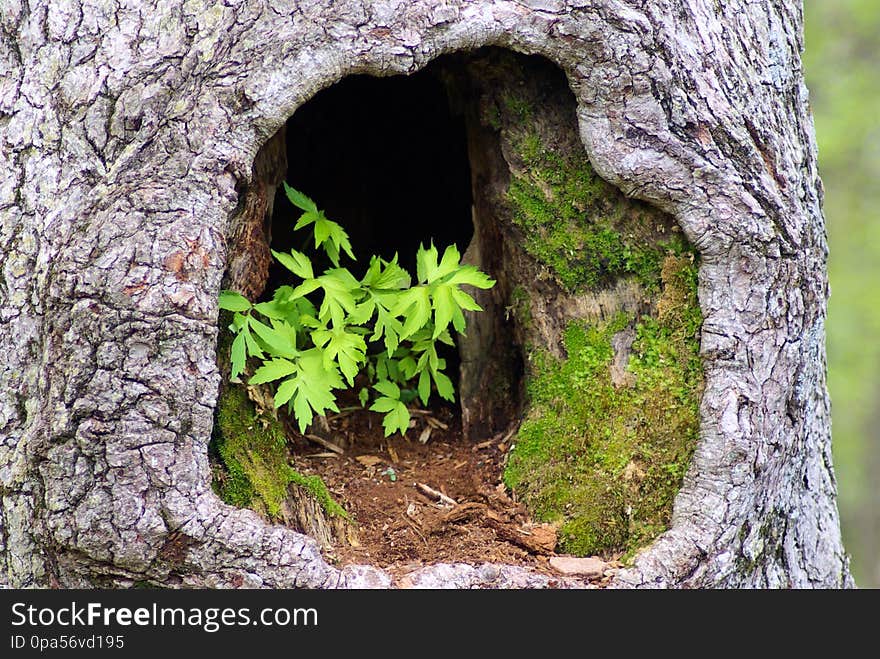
(389, 327)
(424, 387)
(346, 348)
(276, 342)
(329, 235)
(449, 262)
(470, 275)
(408, 367)
(297, 262)
(415, 306)
(396, 419)
(273, 370)
(232, 301)
(273, 309)
(384, 404)
(362, 313)
(239, 320)
(364, 396)
(426, 263)
(253, 348)
(302, 411)
(387, 388)
(444, 308)
(386, 275)
(464, 301)
(444, 385)
(237, 356)
(458, 322)
(299, 200)
(306, 219)
(305, 288)
(285, 391)
(310, 388)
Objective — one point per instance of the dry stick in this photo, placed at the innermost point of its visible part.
(344, 411)
(429, 491)
(326, 444)
(414, 524)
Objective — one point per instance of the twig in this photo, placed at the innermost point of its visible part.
(437, 423)
(412, 523)
(321, 455)
(326, 444)
(429, 491)
(344, 411)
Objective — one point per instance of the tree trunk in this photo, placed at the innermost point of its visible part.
(129, 140)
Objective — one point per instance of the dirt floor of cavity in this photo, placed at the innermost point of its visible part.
(391, 487)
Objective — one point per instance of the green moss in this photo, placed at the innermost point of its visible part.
(577, 224)
(318, 489)
(520, 306)
(606, 461)
(517, 106)
(252, 452)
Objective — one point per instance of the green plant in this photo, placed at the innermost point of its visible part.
(380, 325)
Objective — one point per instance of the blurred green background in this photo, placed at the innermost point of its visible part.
(842, 66)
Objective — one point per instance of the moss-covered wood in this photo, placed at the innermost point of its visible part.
(251, 467)
(596, 297)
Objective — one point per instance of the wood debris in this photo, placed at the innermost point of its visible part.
(436, 495)
(369, 460)
(326, 443)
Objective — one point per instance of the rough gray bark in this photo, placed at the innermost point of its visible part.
(125, 133)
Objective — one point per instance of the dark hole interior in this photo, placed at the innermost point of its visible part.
(387, 159)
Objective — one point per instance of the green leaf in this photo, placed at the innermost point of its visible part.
(273, 309)
(253, 347)
(297, 262)
(408, 367)
(305, 288)
(390, 277)
(470, 275)
(426, 263)
(329, 235)
(285, 391)
(424, 387)
(364, 396)
(232, 301)
(389, 327)
(415, 306)
(384, 404)
(444, 308)
(310, 389)
(388, 389)
(347, 348)
(396, 420)
(299, 200)
(449, 262)
(444, 385)
(273, 370)
(239, 320)
(237, 356)
(396, 415)
(464, 301)
(302, 411)
(277, 343)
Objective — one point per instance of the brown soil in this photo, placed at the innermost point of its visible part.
(400, 525)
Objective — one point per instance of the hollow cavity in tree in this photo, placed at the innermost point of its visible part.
(588, 348)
